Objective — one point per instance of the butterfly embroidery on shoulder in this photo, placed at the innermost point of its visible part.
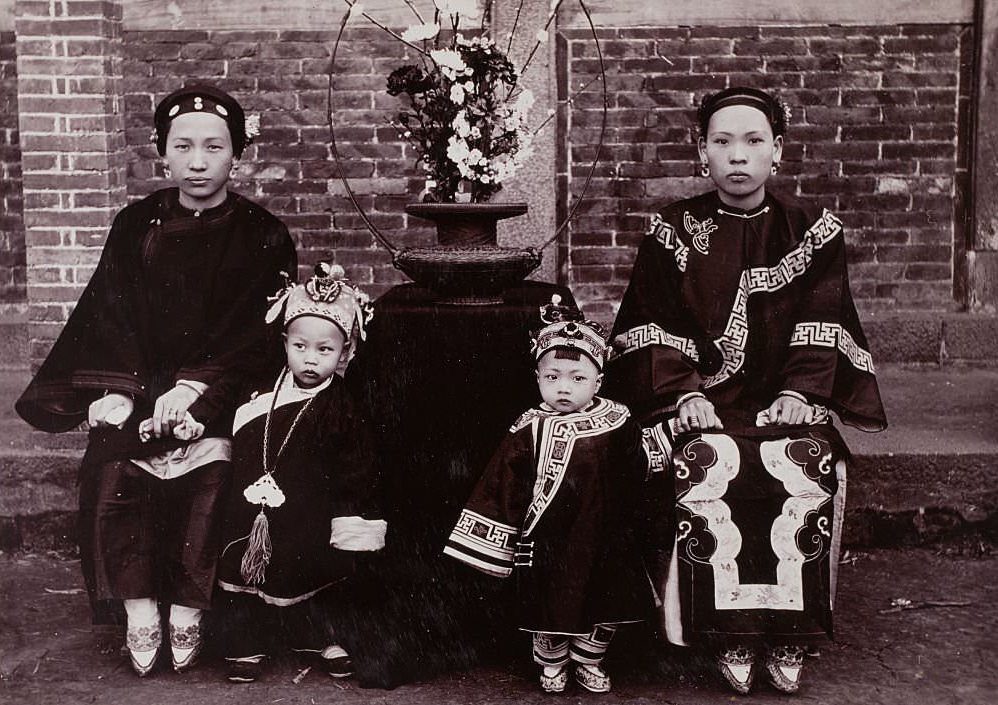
(700, 230)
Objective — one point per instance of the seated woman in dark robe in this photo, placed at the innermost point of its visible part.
(738, 331)
(178, 297)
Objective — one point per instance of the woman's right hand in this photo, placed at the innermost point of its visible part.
(110, 410)
(697, 414)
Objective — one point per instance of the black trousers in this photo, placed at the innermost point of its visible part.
(157, 538)
(250, 627)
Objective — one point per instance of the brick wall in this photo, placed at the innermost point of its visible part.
(874, 137)
(12, 255)
(282, 75)
(878, 110)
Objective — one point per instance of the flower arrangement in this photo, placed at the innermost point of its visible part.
(465, 113)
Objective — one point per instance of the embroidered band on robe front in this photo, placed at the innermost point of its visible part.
(759, 279)
(490, 545)
(555, 437)
(758, 531)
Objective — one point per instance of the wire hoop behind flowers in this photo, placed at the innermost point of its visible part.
(378, 235)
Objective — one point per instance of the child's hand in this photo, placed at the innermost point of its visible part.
(187, 430)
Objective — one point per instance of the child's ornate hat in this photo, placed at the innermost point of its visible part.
(330, 295)
(567, 327)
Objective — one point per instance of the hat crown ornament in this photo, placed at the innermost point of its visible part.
(567, 327)
(327, 294)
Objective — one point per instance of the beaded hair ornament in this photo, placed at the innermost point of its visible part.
(197, 98)
(567, 327)
(777, 112)
(330, 295)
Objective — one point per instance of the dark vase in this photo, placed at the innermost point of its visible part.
(466, 224)
(467, 267)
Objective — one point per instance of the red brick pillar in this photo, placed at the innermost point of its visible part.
(72, 133)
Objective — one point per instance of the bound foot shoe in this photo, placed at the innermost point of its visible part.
(143, 644)
(737, 667)
(554, 679)
(592, 677)
(185, 646)
(783, 668)
(244, 670)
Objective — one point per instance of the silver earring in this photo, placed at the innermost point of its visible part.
(704, 169)
(774, 170)
(233, 171)
(167, 173)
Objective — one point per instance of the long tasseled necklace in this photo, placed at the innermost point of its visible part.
(266, 493)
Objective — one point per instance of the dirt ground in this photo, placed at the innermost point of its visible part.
(932, 654)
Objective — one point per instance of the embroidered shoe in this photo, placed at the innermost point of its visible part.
(334, 660)
(737, 667)
(554, 681)
(185, 646)
(339, 667)
(143, 644)
(244, 670)
(592, 677)
(783, 668)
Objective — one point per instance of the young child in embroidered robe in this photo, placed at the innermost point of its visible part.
(558, 508)
(302, 501)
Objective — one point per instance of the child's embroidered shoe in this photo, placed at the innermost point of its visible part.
(592, 677)
(339, 667)
(244, 670)
(143, 645)
(335, 661)
(554, 679)
(737, 667)
(185, 646)
(783, 667)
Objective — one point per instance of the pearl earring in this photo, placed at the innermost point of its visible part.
(704, 169)
(775, 168)
(167, 173)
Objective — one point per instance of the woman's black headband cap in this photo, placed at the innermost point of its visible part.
(773, 108)
(201, 98)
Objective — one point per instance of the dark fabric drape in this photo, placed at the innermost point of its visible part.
(441, 384)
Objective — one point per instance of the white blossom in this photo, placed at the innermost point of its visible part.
(462, 128)
(457, 94)
(419, 32)
(450, 62)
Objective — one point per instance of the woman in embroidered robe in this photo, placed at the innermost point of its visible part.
(738, 315)
(178, 296)
(558, 508)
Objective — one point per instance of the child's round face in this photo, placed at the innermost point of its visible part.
(567, 385)
(740, 150)
(199, 155)
(313, 346)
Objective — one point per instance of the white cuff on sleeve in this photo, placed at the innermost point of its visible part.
(357, 534)
(689, 395)
(796, 395)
